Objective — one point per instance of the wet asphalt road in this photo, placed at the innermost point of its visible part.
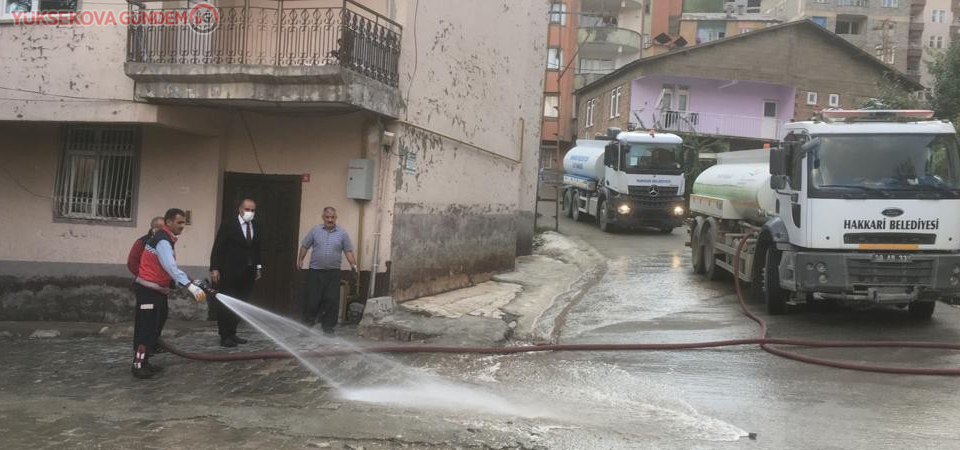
(649, 294)
(77, 393)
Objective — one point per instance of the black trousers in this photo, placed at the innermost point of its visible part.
(238, 286)
(150, 313)
(323, 298)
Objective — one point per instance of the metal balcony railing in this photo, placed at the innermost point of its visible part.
(351, 36)
(718, 124)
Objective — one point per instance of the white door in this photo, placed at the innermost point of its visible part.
(769, 126)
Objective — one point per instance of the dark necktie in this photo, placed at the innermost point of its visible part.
(249, 236)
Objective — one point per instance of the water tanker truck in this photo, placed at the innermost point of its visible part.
(629, 180)
(857, 206)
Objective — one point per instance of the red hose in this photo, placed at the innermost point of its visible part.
(764, 342)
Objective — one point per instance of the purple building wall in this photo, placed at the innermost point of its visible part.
(719, 107)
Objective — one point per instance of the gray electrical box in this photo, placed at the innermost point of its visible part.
(360, 179)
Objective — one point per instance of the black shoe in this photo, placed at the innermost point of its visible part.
(328, 331)
(158, 349)
(143, 373)
(227, 342)
(152, 368)
(238, 339)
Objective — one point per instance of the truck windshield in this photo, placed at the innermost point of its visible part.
(651, 158)
(886, 163)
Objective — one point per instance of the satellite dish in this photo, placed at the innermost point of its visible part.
(662, 39)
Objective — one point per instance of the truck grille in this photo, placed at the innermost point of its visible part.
(644, 191)
(890, 238)
(867, 272)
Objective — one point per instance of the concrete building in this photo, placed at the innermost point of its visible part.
(419, 120)
(883, 28)
(587, 40)
(740, 89)
(941, 22)
(700, 28)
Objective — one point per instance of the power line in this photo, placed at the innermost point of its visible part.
(252, 143)
(413, 75)
(17, 182)
(28, 91)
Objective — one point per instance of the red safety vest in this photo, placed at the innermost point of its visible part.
(150, 268)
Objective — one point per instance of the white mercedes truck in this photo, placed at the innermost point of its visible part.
(857, 206)
(630, 180)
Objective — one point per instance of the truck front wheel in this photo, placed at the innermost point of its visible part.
(774, 295)
(922, 310)
(575, 207)
(603, 218)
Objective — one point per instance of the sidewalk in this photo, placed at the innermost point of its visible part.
(526, 304)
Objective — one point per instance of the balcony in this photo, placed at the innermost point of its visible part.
(853, 4)
(274, 57)
(609, 6)
(608, 42)
(917, 7)
(585, 77)
(718, 124)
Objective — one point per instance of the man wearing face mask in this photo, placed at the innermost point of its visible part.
(235, 266)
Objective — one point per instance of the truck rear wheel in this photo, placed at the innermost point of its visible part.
(709, 239)
(566, 202)
(774, 295)
(922, 310)
(696, 248)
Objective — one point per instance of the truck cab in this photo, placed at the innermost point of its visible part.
(855, 206)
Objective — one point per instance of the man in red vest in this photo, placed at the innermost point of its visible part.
(157, 274)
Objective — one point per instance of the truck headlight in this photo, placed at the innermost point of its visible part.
(623, 209)
(678, 211)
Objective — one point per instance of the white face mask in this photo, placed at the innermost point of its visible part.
(247, 216)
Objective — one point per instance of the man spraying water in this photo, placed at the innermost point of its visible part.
(157, 273)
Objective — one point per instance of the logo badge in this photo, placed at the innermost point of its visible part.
(654, 191)
(892, 212)
(204, 18)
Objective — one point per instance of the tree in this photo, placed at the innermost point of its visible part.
(946, 89)
(892, 95)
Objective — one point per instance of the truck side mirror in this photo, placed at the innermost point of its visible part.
(780, 158)
(610, 154)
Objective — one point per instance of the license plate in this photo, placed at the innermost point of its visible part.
(892, 258)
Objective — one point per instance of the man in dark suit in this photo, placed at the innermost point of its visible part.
(234, 266)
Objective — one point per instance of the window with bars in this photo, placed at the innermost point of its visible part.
(97, 173)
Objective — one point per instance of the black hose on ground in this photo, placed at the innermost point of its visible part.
(763, 341)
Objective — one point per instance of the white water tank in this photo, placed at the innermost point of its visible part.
(742, 179)
(585, 160)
